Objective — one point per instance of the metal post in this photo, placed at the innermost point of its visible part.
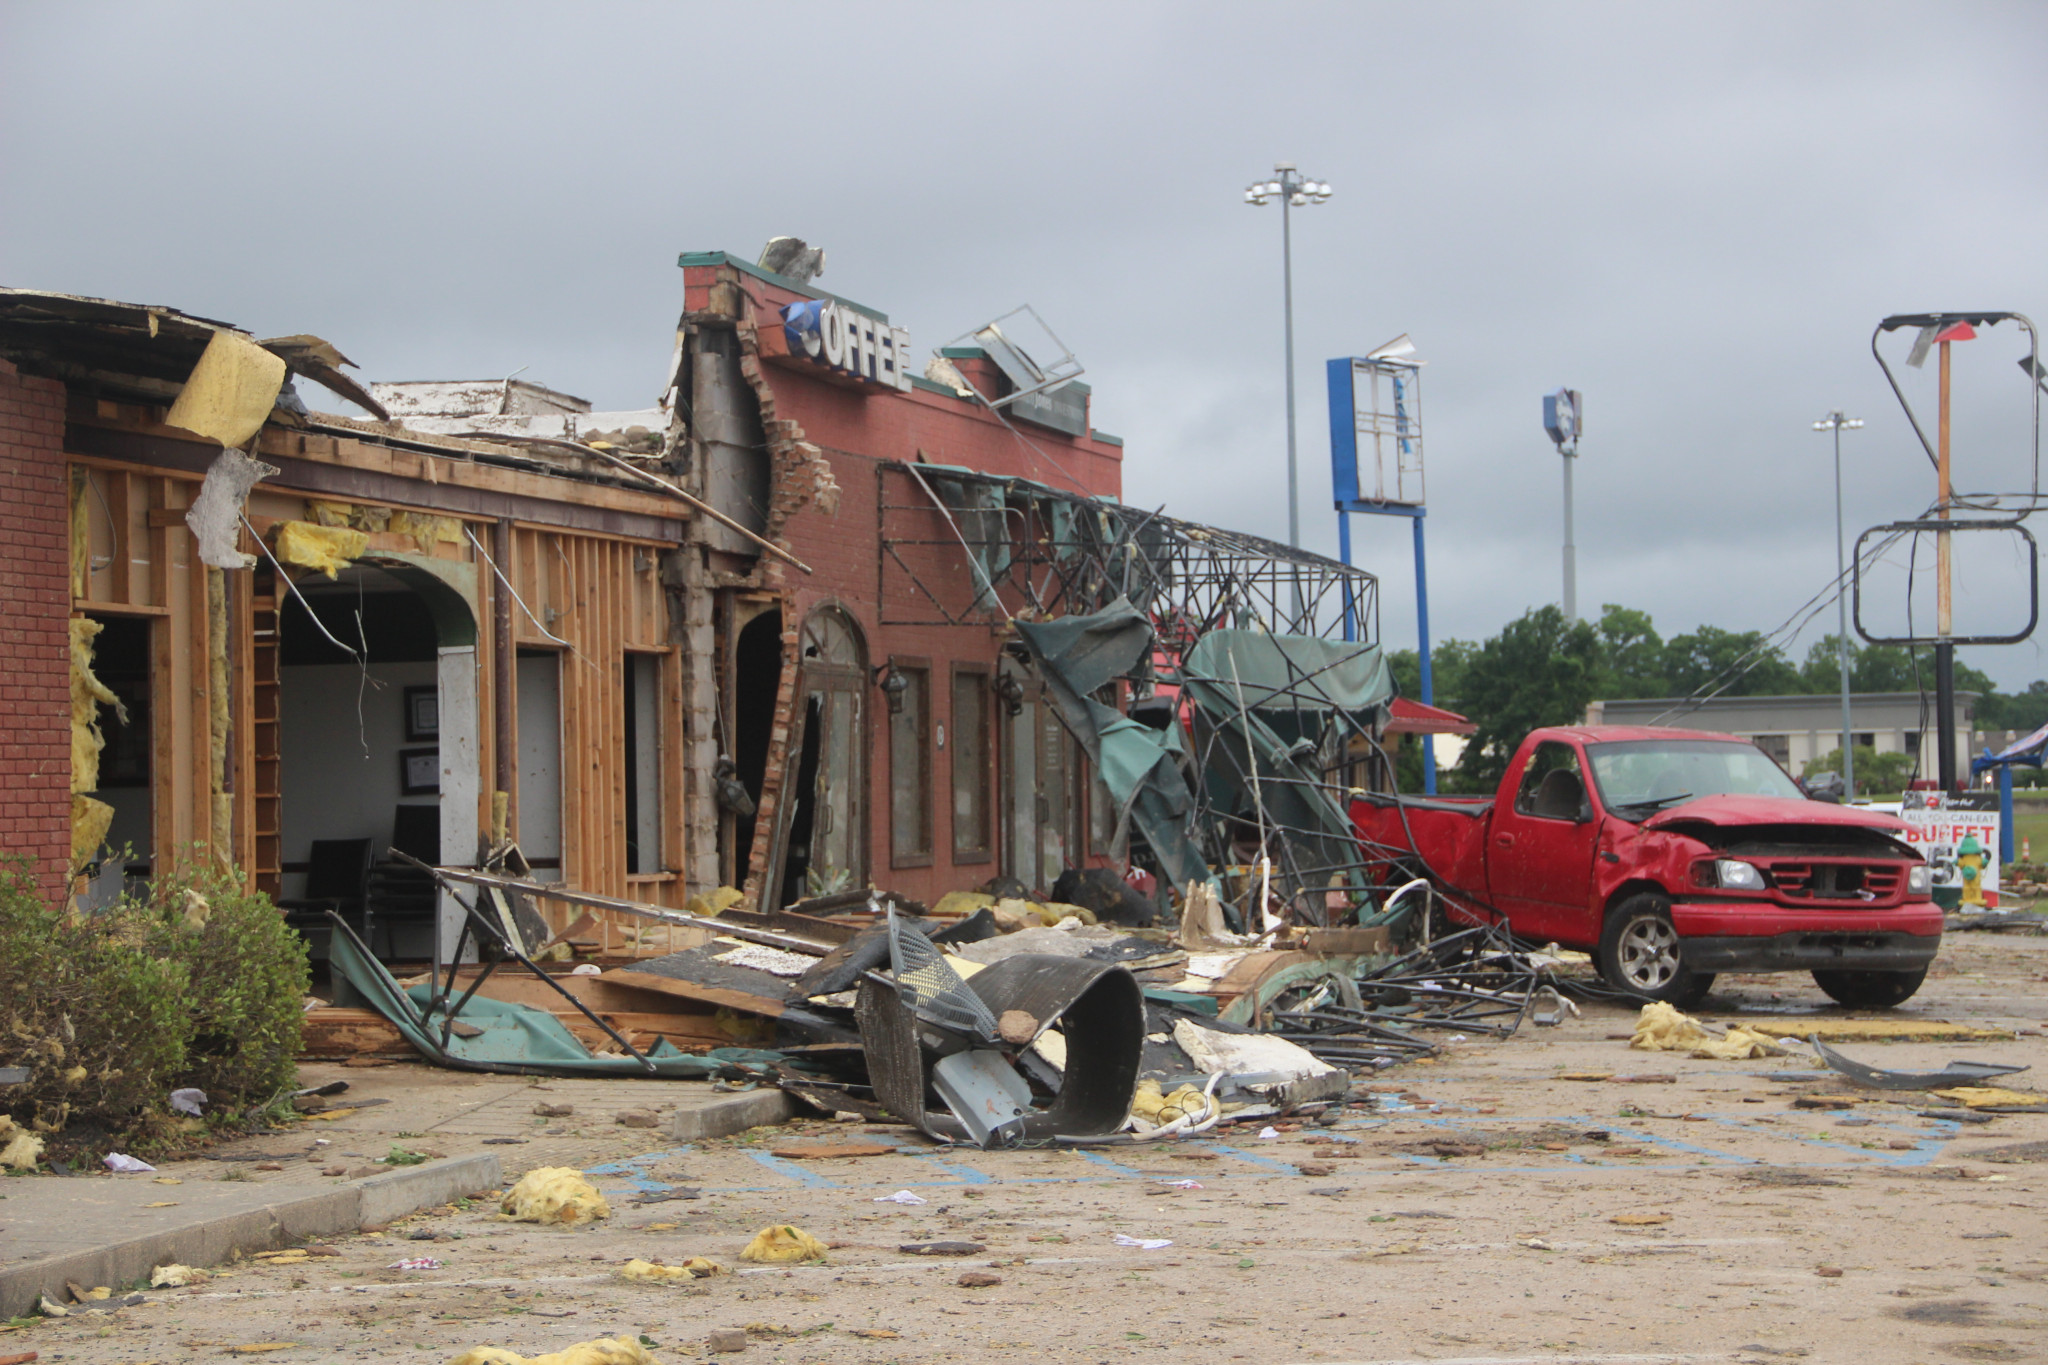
(1842, 626)
(1944, 649)
(1344, 558)
(2005, 840)
(1422, 641)
(1571, 568)
(1287, 287)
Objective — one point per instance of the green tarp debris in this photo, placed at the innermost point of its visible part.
(1267, 720)
(1078, 655)
(520, 1038)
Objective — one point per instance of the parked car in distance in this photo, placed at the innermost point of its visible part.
(1672, 856)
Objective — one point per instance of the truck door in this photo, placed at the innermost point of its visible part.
(1540, 853)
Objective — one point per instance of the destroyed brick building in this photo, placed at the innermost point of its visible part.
(763, 634)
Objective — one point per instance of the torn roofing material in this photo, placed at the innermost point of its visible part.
(518, 1039)
(146, 351)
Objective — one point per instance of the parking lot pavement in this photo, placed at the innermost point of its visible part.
(1481, 1208)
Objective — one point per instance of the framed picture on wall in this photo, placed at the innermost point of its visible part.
(422, 713)
(419, 772)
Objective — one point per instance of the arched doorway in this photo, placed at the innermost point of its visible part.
(825, 841)
(377, 748)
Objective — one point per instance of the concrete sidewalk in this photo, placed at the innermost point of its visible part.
(330, 1173)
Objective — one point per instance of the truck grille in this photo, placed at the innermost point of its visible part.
(1828, 880)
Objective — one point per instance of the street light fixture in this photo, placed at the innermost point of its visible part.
(1293, 192)
(1834, 422)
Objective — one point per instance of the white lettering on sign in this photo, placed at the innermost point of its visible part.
(849, 341)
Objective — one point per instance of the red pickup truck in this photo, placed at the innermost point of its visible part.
(1673, 855)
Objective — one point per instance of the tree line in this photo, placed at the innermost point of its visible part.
(1543, 670)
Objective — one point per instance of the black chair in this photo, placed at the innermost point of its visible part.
(400, 894)
(337, 879)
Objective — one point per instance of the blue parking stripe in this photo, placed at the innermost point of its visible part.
(795, 1171)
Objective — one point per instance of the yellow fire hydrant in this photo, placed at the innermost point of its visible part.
(1970, 863)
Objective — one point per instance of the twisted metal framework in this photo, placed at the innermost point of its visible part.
(1030, 548)
(965, 548)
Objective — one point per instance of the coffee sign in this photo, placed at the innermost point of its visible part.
(844, 339)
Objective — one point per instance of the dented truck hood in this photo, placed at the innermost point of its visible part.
(1734, 811)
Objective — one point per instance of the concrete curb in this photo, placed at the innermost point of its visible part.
(209, 1241)
(732, 1114)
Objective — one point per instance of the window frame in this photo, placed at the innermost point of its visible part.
(917, 670)
(969, 855)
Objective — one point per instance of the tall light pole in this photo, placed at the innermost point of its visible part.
(1834, 422)
(1293, 192)
(1563, 418)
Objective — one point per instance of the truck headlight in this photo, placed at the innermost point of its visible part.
(1919, 879)
(1735, 875)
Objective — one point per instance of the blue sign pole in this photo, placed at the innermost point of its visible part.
(1344, 459)
(1422, 640)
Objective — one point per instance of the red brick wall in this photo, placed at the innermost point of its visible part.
(842, 551)
(35, 602)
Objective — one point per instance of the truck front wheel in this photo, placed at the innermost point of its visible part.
(1870, 990)
(1640, 952)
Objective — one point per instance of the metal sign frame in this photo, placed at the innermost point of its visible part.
(1914, 527)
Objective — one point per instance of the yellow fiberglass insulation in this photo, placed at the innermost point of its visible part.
(654, 1272)
(604, 1351)
(19, 1148)
(427, 529)
(1991, 1097)
(90, 821)
(1662, 1028)
(783, 1242)
(87, 695)
(554, 1194)
(326, 548)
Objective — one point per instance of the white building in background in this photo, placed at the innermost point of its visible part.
(1795, 730)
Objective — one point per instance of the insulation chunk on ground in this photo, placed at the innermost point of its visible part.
(604, 1351)
(554, 1195)
(1663, 1028)
(783, 1242)
(654, 1272)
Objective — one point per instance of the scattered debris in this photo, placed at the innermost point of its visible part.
(655, 1272)
(900, 1197)
(1141, 1243)
(604, 1351)
(783, 1242)
(942, 1248)
(1996, 1100)
(1664, 1028)
(416, 1263)
(554, 1196)
(125, 1165)
(1955, 1073)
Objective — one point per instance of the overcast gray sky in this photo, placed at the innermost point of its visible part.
(1694, 213)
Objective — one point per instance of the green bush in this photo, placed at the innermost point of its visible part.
(200, 985)
(246, 979)
(99, 1020)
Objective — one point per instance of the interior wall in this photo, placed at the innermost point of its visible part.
(341, 778)
(540, 763)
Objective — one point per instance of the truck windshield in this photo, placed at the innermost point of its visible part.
(1638, 777)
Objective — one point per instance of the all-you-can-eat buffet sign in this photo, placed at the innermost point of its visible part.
(849, 341)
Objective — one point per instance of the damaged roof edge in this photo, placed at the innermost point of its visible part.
(136, 333)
